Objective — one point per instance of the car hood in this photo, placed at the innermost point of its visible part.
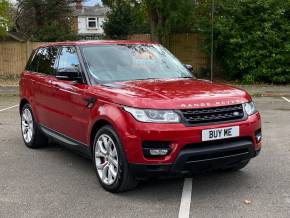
(173, 94)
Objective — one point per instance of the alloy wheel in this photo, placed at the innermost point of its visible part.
(106, 159)
(27, 125)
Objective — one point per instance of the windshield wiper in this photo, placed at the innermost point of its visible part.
(185, 77)
(146, 78)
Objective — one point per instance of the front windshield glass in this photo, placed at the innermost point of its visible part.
(120, 62)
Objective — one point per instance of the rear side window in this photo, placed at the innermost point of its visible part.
(47, 59)
(33, 61)
(30, 60)
(43, 61)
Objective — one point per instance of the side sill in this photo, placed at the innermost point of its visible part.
(67, 142)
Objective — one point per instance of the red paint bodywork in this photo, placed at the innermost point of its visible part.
(60, 106)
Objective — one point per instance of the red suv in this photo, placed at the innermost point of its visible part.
(135, 110)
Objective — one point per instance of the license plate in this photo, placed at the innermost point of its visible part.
(220, 133)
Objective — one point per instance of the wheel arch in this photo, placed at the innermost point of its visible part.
(23, 102)
(96, 127)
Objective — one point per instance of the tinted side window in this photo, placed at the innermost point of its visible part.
(33, 61)
(30, 60)
(47, 60)
(68, 58)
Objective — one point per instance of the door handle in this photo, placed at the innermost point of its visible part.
(54, 85)
(90, 102)
(57, 86)
(64, 87)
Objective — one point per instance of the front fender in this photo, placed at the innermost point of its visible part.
(118, 118)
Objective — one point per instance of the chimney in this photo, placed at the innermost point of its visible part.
(79, 5)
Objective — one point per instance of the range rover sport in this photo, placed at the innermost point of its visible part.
(135, 110)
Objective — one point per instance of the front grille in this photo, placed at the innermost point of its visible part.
(213, 115)
(219, 155)
(220, 142)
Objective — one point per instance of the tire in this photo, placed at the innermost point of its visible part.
(110, 162)
(237, 167)
(34, 138)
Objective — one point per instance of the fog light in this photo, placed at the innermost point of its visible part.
(158, 152)
(155, 149)
(258, 136)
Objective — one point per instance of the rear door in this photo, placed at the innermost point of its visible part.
(71, 116)
(42, 70)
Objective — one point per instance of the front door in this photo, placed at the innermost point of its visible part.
(71, 113)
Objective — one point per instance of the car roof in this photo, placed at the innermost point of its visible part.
(96, 42)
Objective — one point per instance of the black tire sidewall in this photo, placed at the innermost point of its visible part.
(122, 162)
(32, 141)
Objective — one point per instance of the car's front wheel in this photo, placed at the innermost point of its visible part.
(110, 162)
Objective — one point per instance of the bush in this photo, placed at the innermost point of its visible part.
(252, 40)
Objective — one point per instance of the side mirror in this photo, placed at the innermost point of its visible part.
(70, 74)
(189, 67)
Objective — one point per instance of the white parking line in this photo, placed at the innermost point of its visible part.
(5, 109)
(184, 208)
(286, 99)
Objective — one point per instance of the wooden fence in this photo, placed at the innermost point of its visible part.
(187, 47)
(14, 56)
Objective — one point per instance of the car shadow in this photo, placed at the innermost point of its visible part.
(158, 188)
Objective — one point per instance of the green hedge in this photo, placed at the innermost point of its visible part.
(252, 40)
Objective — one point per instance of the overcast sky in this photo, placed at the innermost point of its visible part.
(93, 2)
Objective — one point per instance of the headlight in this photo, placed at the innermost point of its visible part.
(153, 116)
(250, 108)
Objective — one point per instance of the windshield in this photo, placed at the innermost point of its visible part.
(111, 63)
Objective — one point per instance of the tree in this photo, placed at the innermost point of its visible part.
(4, 17)
(159, 13)
(167, 16)
(159, 17)
(45, 20)
(125, 18)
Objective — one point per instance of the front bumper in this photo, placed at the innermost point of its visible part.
(185, 141)
(202, 157)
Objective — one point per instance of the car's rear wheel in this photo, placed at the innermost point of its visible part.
(32, 136)
(110, 162)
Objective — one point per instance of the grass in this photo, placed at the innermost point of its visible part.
(9, 79)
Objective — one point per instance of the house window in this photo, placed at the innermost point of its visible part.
(92, 22)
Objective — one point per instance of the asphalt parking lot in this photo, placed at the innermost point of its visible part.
(54, 182)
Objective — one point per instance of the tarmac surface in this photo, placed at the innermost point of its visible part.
(55, 182)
